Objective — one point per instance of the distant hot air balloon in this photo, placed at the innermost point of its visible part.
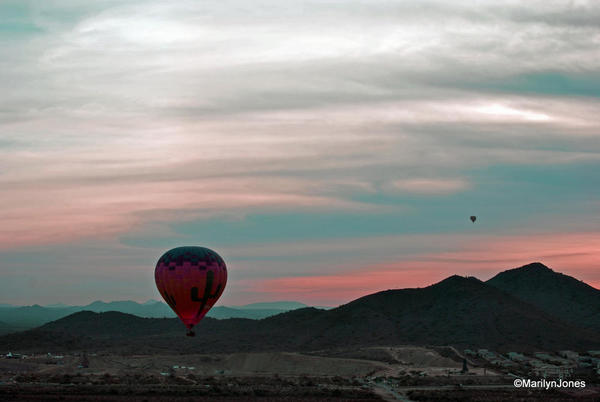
(191, 280)
(473, 218)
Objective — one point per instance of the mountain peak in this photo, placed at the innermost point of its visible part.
(536, 266)
(555, 293)
(456, 280)
(528, 271)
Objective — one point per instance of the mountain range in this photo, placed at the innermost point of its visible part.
(16, 318)
(462, 311)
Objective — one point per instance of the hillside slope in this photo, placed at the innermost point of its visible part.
(557, 294)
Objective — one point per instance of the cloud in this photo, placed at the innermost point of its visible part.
(65, 185)
(68, 212)
(342, 118)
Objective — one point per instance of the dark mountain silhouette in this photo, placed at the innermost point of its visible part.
(557, 294)
(157, 309)
(112, 324)
(456, 311)
(25, 317)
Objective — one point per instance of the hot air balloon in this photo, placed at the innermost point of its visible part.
(473, 218)
(191, 280)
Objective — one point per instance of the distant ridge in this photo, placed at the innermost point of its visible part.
(557, 294)
(20, 317)
(459, 311)
(278, 305)
(57, 305)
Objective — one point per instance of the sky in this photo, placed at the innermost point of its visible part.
(326, 149)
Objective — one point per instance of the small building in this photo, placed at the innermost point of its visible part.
(502, 362)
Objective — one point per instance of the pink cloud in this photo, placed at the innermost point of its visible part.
(62, 212)
(575, 254)
(343, 287)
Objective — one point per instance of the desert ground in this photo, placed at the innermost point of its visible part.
(363, 374)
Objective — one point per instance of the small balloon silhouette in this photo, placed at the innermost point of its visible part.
(473, 218)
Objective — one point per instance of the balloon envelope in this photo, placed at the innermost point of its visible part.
(473, 219)
(191, 280)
